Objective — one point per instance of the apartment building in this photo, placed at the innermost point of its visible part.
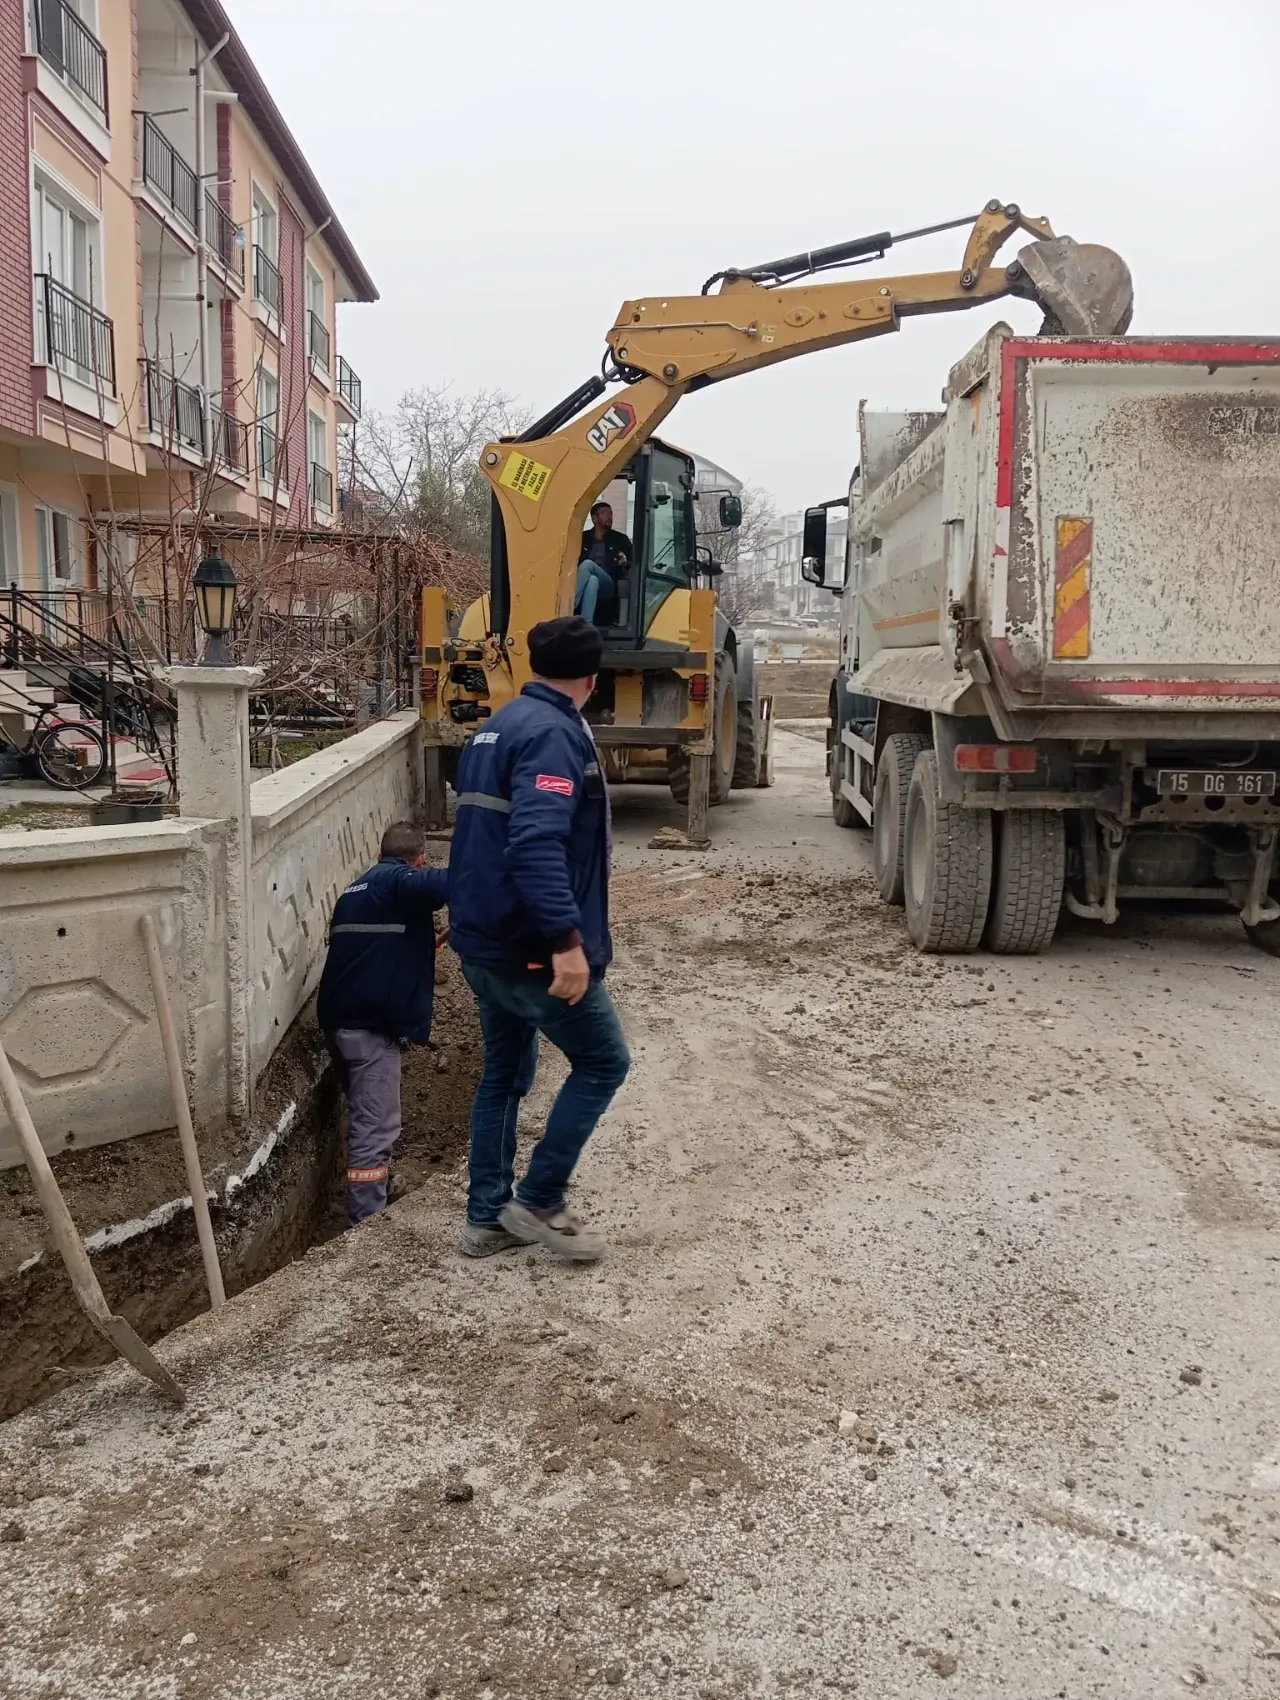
(773, 579)
(170, 271)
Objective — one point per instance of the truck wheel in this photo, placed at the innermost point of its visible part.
(1029, 873)
(893, 781)
(1266, 936)
(946, 866)
(726, 745)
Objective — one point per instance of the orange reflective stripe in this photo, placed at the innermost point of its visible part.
(357, 1177)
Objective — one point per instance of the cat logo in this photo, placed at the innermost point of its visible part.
(619, 421)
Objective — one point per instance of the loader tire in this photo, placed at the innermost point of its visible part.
(946, 866)
(889, 812)
(726, 746)
(1030, 870)
(746, 763)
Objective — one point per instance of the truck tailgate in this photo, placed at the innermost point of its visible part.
(1136, 539)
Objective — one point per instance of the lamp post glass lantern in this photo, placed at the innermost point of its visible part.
(215, 587)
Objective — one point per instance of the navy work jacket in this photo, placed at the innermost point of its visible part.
(380, 972)
(529, 867)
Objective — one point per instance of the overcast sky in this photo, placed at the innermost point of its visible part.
(511, 172)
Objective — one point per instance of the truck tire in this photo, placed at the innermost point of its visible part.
(946, 866)
(1030, 868)
(1265, 935)
(726, 745)
(889, 812)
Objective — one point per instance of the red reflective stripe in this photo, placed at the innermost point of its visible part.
(359, 1177)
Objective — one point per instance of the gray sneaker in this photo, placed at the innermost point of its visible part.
(483, 1242)
(563, 1234)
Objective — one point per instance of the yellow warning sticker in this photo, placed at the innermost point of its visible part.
(526, 476)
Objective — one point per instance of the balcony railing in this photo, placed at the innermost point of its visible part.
(348, 386)
(321, 487)
(230, 441)
(273, 459)
(73, 51)
(266, 281)
(223, 234)
(165, 171)
(174, 412)
(75, 337)
(318, 341)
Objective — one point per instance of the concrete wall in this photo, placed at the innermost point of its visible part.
(243, 936)
(315, 825)
(77, 1017)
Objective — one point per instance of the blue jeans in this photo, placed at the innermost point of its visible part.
(592, 579)
(514, 1008)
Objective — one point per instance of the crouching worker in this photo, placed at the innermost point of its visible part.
(375, 996)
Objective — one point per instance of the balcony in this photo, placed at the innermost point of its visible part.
(74, 336)
(224, 236)
(230, 442)
(321, 487)
(318, 341)
(266, 282)
(71, 49)
(273, 460)
(174, 411)
(167, 174)
(348, 388)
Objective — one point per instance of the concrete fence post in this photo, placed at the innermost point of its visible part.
(213, 784)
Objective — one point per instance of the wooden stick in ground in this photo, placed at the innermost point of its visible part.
(70, 1246)
(182, 1110)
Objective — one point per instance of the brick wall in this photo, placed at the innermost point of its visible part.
(293, 363)
(17, 407)
(228, 311)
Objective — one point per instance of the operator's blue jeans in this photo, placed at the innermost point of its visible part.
(514, 1009)
(592, 579)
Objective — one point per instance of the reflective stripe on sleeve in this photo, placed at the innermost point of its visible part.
(368, 927)
(482, 800)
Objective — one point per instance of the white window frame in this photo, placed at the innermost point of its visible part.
(261, 203)
(267, 379)
(10, 536)
(61, 92)
(47, 516)
(318, 432)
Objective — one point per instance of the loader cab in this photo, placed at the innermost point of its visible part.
(653, 502)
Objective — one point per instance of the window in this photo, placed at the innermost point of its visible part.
(317, 324)
(64, 244)
(268, 420)
(58, 549)
(318, 455)
(10, 554)
(670, 542)
(266, 226)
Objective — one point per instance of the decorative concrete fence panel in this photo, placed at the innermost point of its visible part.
(77, 1016)
(315, 826)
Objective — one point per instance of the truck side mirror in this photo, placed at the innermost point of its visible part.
(730, 512)
(813, 551)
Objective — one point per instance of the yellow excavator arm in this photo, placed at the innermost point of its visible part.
(662, 347)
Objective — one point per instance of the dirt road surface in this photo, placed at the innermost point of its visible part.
(936, 1353)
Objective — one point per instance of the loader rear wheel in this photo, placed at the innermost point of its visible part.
(946, 866)
(746, 762)
(893, 781)
(1030, 868)
(726, 748)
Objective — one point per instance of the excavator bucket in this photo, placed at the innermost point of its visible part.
(1085, 290)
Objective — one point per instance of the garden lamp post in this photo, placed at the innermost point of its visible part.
(215, 587)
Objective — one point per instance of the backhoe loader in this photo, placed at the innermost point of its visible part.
(677, 685)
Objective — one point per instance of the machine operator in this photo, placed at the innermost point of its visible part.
(604, 562)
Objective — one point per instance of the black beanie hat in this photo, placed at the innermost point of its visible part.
(567, 648)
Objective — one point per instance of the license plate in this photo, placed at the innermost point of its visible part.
(1179, 782)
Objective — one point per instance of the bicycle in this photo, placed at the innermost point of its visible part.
(69, 754)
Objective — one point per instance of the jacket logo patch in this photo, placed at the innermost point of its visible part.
(485, 738)
(553, 782)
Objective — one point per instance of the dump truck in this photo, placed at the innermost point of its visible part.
(1059, 673)
(674, 685)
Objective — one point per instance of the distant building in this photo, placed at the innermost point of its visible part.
(776, 587)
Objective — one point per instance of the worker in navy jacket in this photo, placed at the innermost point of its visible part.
(529, 916)
(376, 993)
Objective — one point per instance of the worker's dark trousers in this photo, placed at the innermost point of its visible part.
(514, 1008)
(368, 1066)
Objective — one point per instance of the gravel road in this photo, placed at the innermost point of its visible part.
(936, 1351)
